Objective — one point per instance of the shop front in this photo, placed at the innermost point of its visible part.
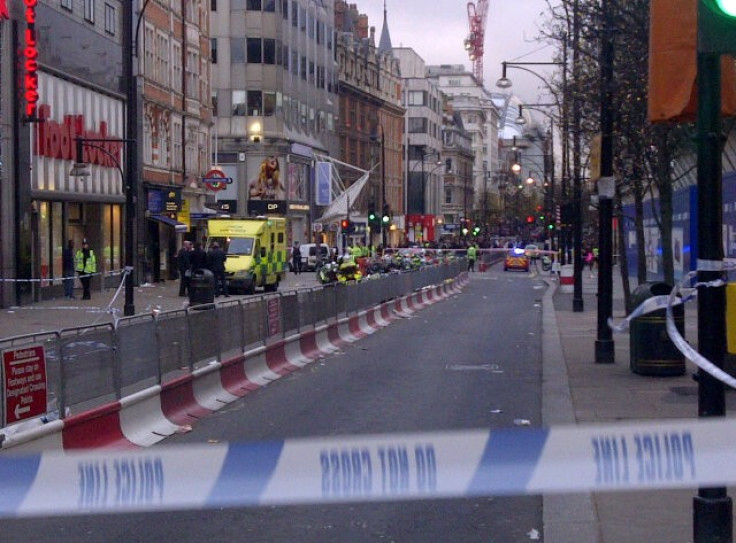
(420, 229)
(64, 206)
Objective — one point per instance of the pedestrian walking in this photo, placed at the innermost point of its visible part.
(184, 265)
(85, 263)
(68, 269)
(472, 257)
(590, 260)
(296, 258)
(216, 264)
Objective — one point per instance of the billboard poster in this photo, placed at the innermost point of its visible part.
(268, 184)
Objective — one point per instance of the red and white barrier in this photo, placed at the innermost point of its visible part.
(148, 416)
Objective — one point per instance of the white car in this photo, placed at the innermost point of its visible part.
(531, 251)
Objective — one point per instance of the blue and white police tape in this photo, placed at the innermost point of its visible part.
(667, 302)
(59, 280)
(642, 456)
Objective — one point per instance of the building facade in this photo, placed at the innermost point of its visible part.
(458, 159)
(424, 102)
(68, 86)
(480, 118)
(371, 126)
(274, 90)
(175, 119)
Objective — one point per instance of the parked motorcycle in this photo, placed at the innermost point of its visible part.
(327, 273)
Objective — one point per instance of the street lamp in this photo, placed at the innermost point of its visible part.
(81, 169)
(505, 83)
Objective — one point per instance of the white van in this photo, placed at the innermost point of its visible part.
(309, 255)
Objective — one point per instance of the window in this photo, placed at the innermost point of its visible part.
(213, 50)
(192, 74)
(238, 109)
(294, 14)
(237, 50)
(162, 59)
(67, 4)
(147, 140)
(303, 68)
(269, 51)
(255, 103)
(163, 144)
(253, 5)
(269, 6)
(149, 59)
(448, 195)
(417, 98)
(89, 11)
(303, 19)
(213, 5)
(110, 19)
(176, 72)
(176, 148)
(269, 103)
(285, 9)
(285, 57)
(417, 125)
(254, 47)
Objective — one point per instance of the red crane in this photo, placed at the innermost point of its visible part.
(476, 36)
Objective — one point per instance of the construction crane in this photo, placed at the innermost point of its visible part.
(476, 36)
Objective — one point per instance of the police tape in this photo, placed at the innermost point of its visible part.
(517, 461)
(59, 280)
(680, 294)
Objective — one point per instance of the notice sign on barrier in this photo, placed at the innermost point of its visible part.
(24, 380)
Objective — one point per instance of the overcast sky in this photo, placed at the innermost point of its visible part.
(435, 29)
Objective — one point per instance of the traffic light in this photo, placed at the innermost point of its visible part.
(346, 226)
(476, 230)
(374, 221)
(386, 218)
(716, 26)
(550, 227)
(530, 219)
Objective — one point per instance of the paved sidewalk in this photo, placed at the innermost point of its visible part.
(608, 393)
(105, 306)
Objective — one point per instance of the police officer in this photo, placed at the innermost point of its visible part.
(85, 263)
(472, 256)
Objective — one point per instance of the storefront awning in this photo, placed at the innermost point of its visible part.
(176, 225)
(338, 209)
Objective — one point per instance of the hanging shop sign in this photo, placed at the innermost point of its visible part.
(30, 60)
(4, 13)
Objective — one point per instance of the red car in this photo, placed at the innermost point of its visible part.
(516, 259)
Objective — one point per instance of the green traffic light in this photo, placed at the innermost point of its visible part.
(728, 7)
(372, 217)
(386, 219)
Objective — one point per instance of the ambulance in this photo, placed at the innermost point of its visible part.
(256, 250)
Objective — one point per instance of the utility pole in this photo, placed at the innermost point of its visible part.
(604, 348)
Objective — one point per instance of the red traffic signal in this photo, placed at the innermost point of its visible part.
(345, 224)
(530, 219)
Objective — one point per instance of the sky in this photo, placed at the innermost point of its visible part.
(435, 29)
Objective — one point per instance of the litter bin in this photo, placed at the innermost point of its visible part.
(651, 349)
(202, 287)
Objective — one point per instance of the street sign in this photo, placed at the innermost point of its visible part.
(24, 381)
(216, 180)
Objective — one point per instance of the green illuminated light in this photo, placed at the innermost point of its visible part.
(728, 7)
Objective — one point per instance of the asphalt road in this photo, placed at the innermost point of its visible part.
(471, 361)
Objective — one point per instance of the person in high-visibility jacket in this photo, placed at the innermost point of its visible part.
(472, 256)
(85, 262)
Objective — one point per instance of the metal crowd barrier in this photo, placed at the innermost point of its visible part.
(90, 366)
